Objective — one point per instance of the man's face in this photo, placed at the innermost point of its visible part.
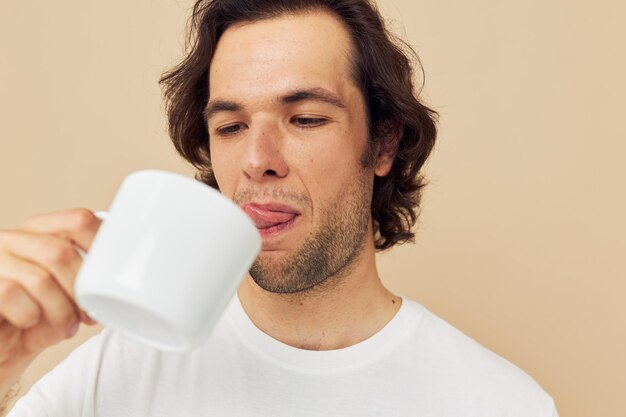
(288, 134)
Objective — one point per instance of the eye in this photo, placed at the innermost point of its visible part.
(229, 130)
(308, 122)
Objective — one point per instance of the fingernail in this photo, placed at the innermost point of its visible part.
(73, 329)
(85, 318)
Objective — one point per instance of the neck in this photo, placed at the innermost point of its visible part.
(342, 311)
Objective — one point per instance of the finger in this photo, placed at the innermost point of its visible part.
(78, 225)
(37, 338)
(16, 306)
(57, 307)
(55, 254)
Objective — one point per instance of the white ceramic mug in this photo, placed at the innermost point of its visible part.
(167, 260)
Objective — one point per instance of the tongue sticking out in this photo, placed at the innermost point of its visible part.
(267, 218)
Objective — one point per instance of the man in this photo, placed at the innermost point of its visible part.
(303, 113)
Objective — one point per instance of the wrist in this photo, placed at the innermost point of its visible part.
(10, 373)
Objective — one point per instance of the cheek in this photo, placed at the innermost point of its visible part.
(327, 174)
(225, 168)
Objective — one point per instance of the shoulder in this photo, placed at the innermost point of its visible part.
(468, 369)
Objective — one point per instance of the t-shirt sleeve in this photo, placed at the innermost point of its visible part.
(67, 390)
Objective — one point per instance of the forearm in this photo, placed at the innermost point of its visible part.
(8, 392)
(9, 383)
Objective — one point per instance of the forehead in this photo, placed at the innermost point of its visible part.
(278, 54)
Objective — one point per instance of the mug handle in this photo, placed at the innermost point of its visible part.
(102, 215)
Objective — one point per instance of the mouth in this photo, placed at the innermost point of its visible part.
(275, 230)
(272, 219)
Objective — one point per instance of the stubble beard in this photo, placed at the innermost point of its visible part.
(328, 253)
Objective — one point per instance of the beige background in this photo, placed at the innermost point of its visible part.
(522, 234)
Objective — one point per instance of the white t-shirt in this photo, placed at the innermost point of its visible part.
(417, 365)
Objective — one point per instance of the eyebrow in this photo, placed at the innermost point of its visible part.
(313, 94)
(216, 106)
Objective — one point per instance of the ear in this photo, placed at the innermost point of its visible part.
(384, 162)
(389, 134)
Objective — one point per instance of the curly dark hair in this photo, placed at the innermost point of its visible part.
(382, 67)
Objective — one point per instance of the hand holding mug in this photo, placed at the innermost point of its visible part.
(39, 262)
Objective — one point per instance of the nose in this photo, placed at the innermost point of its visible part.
(263, 158)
